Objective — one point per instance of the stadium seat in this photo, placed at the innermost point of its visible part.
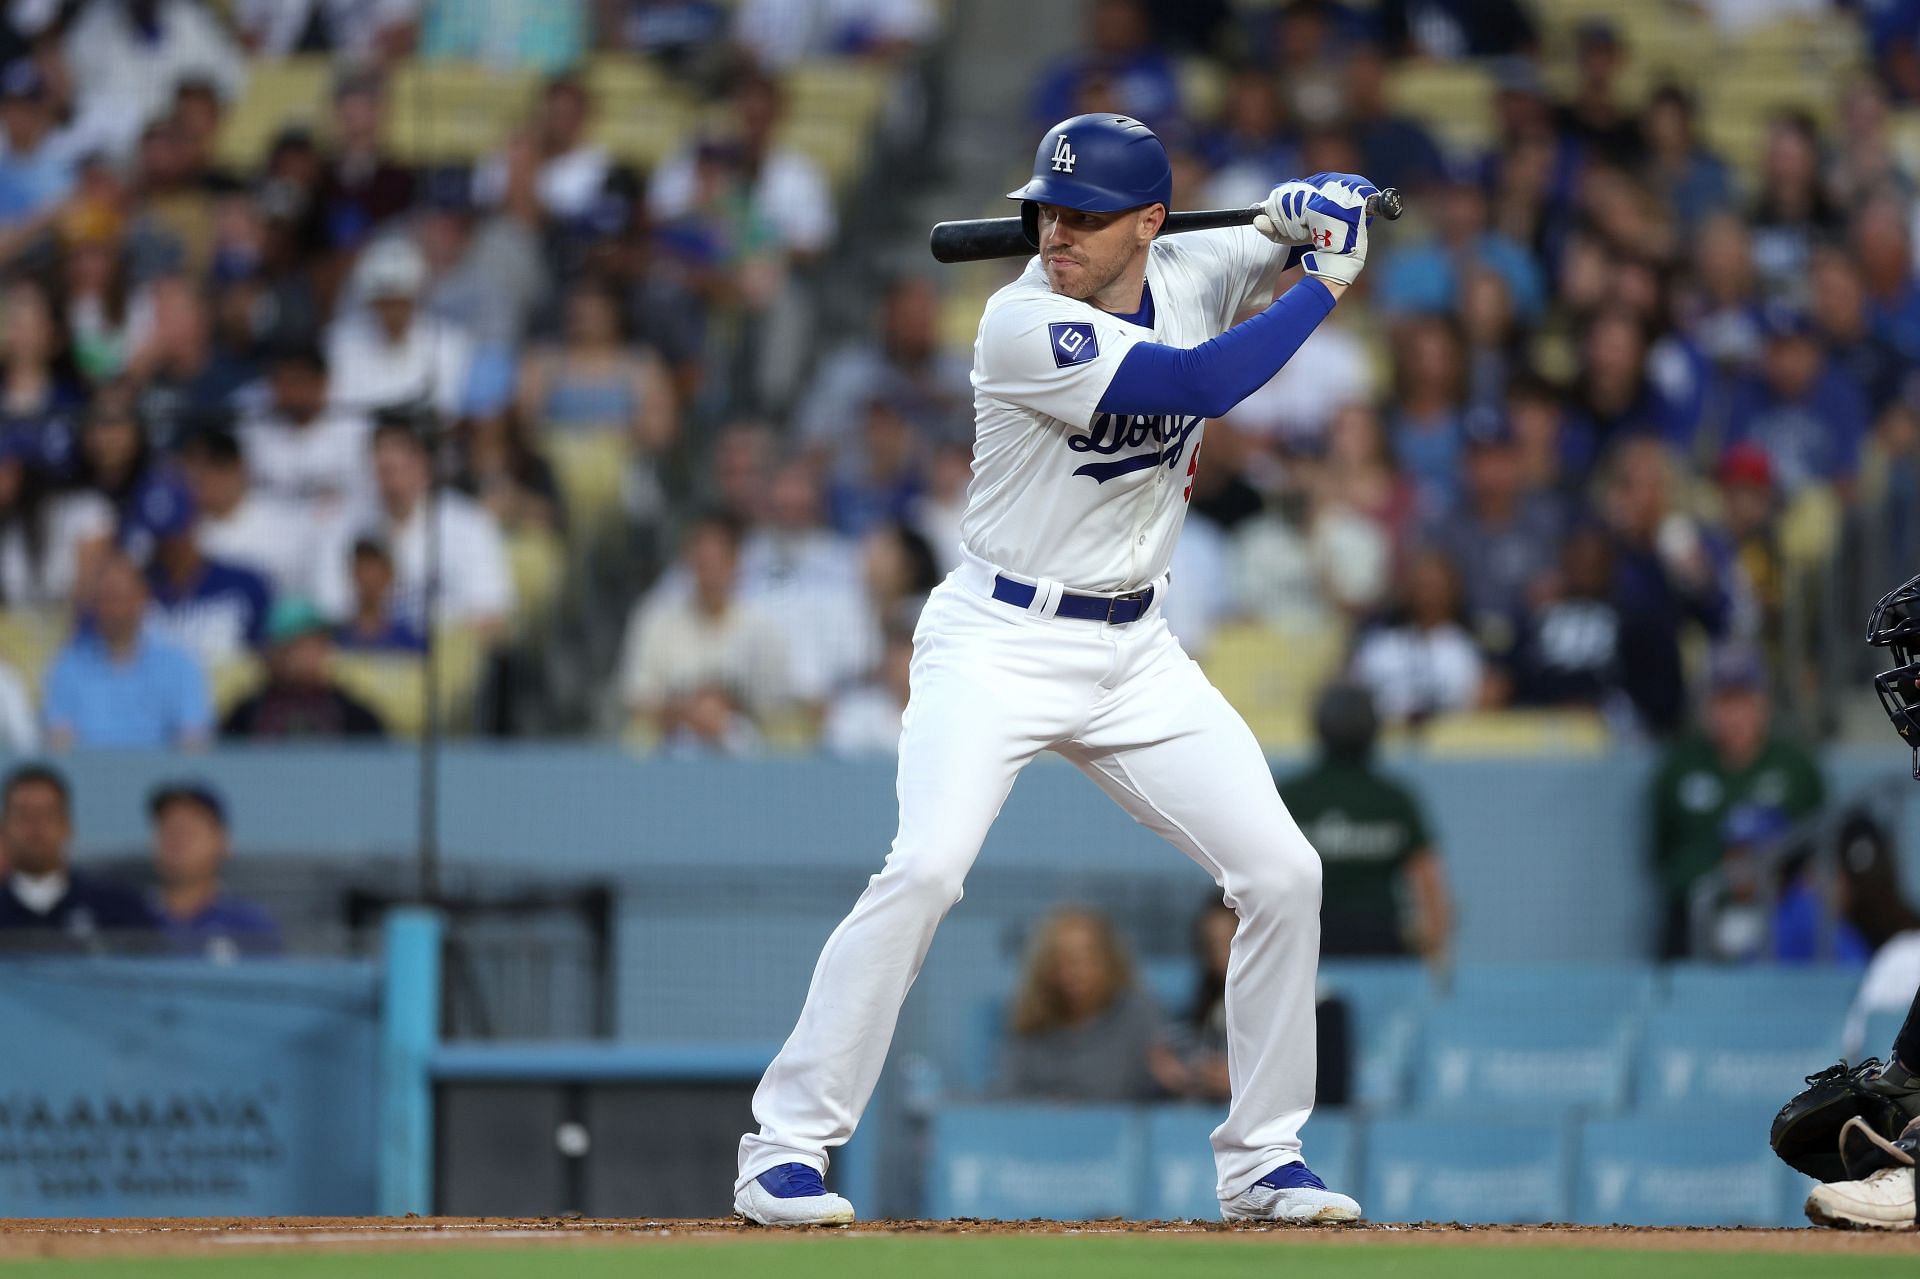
(29, 638)
(1878, 1039)
(1686, 1168)
(1734, 1056)
(1568, 989)
(1478, 1168)
(1180, 1177)
(441, 112)
(1387, 1000)
(1523, 1057)
(1272, 676)
(1559, 732)
(280, 94)
(1020, 1161)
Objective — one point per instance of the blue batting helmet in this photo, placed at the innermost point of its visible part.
(1101, 163)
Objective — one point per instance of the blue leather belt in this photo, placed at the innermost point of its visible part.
(1115, 610)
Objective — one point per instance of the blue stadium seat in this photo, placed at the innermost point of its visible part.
(1523, 1057)
(1171, 982)
(1711, 987)
(1020, 1161)
(1737, 1056)
(1180, 1178)
(1466, 1168)
(976, 1060)
(1878, 1040)
(1569, 989)
(1685, 1168)
(1387, 1000)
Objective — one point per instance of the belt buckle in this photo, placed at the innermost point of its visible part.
(1128, 598)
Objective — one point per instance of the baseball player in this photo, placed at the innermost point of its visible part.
(1093, 375)
(1880, 1139)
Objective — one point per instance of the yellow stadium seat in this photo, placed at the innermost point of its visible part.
(1455, 99)
(29, 638)
(233, 680)
(394, 684)
(839, 147)
(1203, 87)
(1542, 732)
(280, 93)
(851, 87)
(1272, 676)
(591, 469)
(454, 111)
(537, 558)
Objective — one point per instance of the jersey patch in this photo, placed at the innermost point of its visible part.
(1073, 343)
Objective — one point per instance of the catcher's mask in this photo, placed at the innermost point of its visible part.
(1895, 626)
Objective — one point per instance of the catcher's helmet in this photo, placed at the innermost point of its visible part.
(1895, 626)
(1102, 163)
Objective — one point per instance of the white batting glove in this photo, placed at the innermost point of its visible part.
(1282, 216)
(1336, 219)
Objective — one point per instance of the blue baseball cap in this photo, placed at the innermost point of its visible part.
(190, 791)
(164, 507)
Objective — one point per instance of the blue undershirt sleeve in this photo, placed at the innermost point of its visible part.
(1209, 379)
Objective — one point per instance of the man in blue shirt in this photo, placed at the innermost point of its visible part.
(118, 684)
(215, 609)
(190, 847)
(36, 173)
(43, 902)
(1805, 410)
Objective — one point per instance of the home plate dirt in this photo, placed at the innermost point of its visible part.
(156, 1237)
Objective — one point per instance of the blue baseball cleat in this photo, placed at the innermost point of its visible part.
(791, 1195)
(1290, 1193)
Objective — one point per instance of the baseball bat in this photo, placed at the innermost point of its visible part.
(978, 239)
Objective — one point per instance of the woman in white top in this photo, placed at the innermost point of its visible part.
(1422, 662)
(49, 541)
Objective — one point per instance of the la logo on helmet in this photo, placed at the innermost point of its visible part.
(1063, 157)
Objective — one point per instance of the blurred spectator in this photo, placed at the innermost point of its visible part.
(300, 698)
(1807, 413)
(1682, 171)
(126, 58)
(1081, 1029)
(43, 893)
(1452, 29)
(786, 193)
(474, 587)
(190, 849)
(1750, 510)
(1118, 62)
(501, 469)
(362, 186)
(1203, 561)
(886, 478)
(1428, 405)
(115, 459)
(779, 33)
(1311, 561)
(1386, 891)
(1569, 649)
(50, 541)
(509, 35)
(37, 169)
(709, 720)
(1252, 141)
(676, 646)
(1737, 759)
(1839, 305)
(1670, 574)
(1293, 413)
(118, 683)
(488, 271)
(1868, 164)
(1884, 247)
(396, 355)
(791, 549)
(93, 286)
(865, 719)
(1594, 117)
(936, 516)
(373, 626)
(240, 525)
(182, 381)
(1793, 210)
(1427, 276)
(686, 35)
(39, 383)
(1614, 397)
(902, 363)
(357, 31)
(1420, 660)
(1395, 149)
(572, 171)
(308, 451)
(1505, 532)
(19, 726)
(1494, 341)
(1720, 312)
(215, 610)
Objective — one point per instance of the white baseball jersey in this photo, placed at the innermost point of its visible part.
(1095, 500)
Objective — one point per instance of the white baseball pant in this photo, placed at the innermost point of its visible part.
(992, 686)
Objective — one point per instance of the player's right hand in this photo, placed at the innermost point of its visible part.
(1282, 216)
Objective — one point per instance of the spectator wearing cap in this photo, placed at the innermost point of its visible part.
(1506, 532)
(125, 59)
(1750, 514)
(215, 610)
(239, 525)
(572, 172)
(190, 849)
(363, 187)
(307, 450)
(488, 268)
(37, 168)
(50, 541)
(394, 354)
(1118, 53)
(1386, 890)
(475, 587)
(300, 698)
(1804, 410)
(1736, 757)
(373, 626)
(43, 897)
(118, 683)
